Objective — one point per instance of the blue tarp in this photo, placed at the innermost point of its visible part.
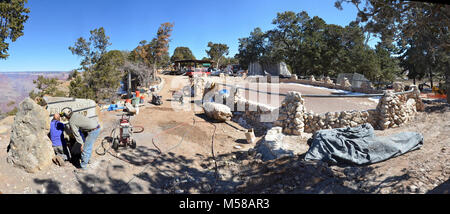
(113, 107)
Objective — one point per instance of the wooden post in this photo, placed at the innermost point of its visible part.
(129, 84)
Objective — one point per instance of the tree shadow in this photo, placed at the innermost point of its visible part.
(51, 186)
(241, 141)
(167, 173)
(443, 188)
(206, 118)
(439, 108)
(239, 172)
(294, 175)
(139, 156)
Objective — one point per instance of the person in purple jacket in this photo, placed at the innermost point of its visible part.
(58, 142)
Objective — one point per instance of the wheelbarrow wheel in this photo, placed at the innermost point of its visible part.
(115, 144)
(133, 144)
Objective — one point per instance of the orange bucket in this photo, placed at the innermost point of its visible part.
(128, 101)
(138, 93)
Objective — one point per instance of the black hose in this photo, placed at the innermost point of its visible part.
(106, 140)
(214, 158)
(141, 129)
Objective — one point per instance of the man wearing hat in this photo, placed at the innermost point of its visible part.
(77, 123)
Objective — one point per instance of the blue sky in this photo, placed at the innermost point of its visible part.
(54, 25)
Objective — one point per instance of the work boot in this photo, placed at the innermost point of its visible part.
(59, 160)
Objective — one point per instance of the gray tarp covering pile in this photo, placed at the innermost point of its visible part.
(359, 145)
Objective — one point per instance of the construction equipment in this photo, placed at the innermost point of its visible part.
(125, 136)
(156, 100)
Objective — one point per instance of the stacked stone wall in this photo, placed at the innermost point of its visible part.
(392, 111)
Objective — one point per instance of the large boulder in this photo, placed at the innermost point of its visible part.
(217, 111)
(272, 146)
(30, 147)
(276, 145)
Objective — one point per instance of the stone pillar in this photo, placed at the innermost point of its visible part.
(294, 77)
(398, 86)
(328, 80)
(394, 111)
(312, 79)
(420, 106)
(345, 82)
(291, 114)
(384, 109)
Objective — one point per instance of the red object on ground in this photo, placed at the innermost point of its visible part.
(437, 96)
(128, 101)
(138, 93)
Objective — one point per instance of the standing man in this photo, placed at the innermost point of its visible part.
(77, 123)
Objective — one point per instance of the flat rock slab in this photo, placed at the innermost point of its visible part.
(86, 107)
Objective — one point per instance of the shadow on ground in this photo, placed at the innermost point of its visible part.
(237, 172)
(443, 188)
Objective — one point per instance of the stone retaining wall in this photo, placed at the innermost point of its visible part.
(292, 111)
(392, 111)
(331, 120)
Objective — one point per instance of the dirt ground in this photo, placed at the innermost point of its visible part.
(174, 155)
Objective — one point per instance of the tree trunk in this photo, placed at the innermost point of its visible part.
(154, 72)
(129, 84)
(431, 78)
(432, 66)
(217, 65)
(447, 83)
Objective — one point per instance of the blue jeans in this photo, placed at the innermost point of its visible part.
(87, 147)
(61, 151)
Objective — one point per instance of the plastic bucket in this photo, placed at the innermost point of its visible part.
(135, 100)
